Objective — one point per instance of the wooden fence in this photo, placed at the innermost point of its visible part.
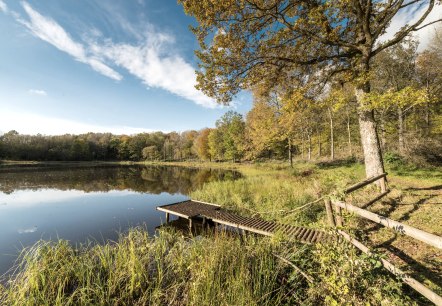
(335, 219)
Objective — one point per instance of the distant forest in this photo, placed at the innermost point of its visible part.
(406, 95)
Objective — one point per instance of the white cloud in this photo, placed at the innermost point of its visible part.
(27, 123)
(149, 62)
(409, 16)
(51, 32)
(38, 92)
(3, 6)
(151, 59)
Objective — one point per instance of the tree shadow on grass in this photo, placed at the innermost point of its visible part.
(337, 163)
(419, 271)
(436, 187)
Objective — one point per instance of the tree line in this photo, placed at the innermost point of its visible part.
(405, 97)
(297, 52)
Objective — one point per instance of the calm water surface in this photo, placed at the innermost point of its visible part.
(79, 203)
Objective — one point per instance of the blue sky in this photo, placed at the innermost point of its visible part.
(119, 66)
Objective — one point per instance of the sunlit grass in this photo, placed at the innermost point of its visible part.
(142, 270)
(220, 269)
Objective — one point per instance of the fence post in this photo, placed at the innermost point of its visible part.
(329, 210)
(339, 221)
(383, 184)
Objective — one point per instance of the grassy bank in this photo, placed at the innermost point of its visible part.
(217, 269)
(220, 269)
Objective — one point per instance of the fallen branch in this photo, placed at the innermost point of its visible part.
(307, 277)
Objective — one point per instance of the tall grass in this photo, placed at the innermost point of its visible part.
(216, 268)
(274, 191)
(142, 270)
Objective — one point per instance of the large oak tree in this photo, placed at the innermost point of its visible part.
(245, 42)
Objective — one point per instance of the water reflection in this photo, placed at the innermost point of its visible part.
(151, 179)
(81, 203)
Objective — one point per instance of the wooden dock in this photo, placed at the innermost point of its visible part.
(193, 210)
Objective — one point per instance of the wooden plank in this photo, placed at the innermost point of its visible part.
(309, 238)
(268, 227)
(418, 234)
(241, 226)
(292, 230)
(261, 225)
(306, 233)
(173, 212)
(296, 232)
(191, 209)
(419, 287)
(217, 205)
(237, 219)
(329, 210)
(301, 233)
(380, 196)
(365, 183)
(315, 236)
(273, 227)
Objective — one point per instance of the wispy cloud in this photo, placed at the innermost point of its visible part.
(51, 32)
(151, 59)
(409, 16)
(28, 123)
(38, 92)
(3, 6)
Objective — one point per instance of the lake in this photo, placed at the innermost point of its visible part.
(95, 202)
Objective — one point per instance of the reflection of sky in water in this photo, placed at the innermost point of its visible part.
(27, 198)
(29, 215)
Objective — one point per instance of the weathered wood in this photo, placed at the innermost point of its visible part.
(419, 287)
(418, 234)
(365, 183)
(329, 210)
(195, 209)
(167, 217)
(383, 184)
(380, 196)
(339, 221)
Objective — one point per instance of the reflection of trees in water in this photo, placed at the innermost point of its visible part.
(151, 179)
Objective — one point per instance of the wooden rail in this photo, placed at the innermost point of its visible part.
(368, 181)
(336, 220)
(418, 234)
(419, 287)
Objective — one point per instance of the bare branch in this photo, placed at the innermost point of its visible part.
(405, 31)
(426, 25)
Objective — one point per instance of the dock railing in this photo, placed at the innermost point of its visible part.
(335, 219)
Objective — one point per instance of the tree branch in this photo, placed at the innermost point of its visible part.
(404, 32)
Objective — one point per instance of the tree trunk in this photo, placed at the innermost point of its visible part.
(374, 164)
(383, 134)
(290, 152)
(309, 137)
(400, 115)
(302, 144)
(332, 143)
(427, 119)
(349, 133)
